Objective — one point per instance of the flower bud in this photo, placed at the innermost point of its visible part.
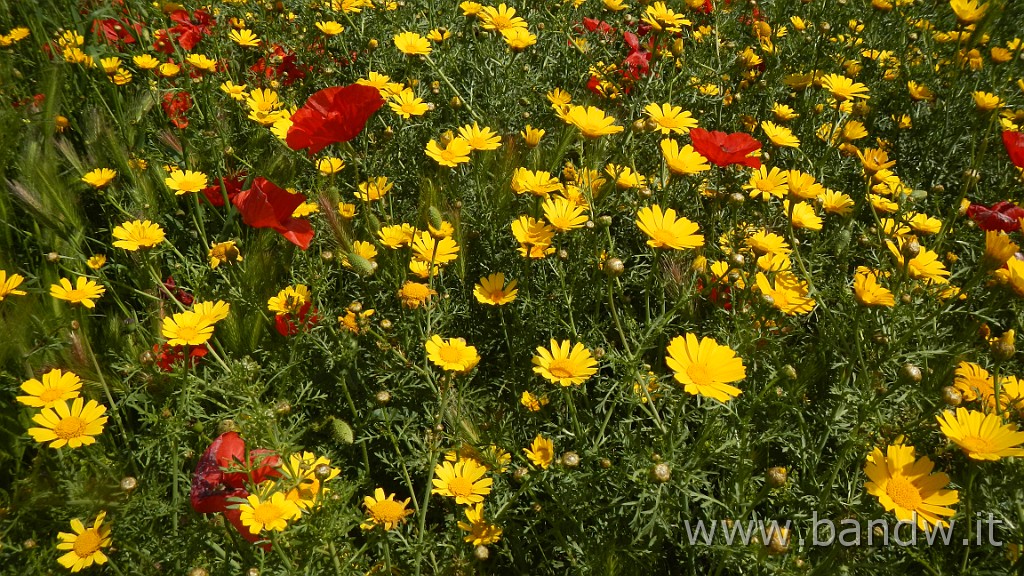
(520, 474)
(660, 473)
(481, 553)
(383, 397)
(604, 463)
(911, 248)
(1003, 348)
(789, 371)
(322, 471)
(197, 571)
(227, 425)
(951, 396)
(910, 373)
(570, 459)
(777, 476)
(613, 267)
(129, 483)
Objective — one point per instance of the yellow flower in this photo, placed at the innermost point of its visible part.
(500, 19)
(271, 514)
(539, 183)
(534, 237)
(705, 368)
(212, 312)
(665, 231)
(463, 481)
(531, 402)
(301, 470)
(836, 202)
(57, 386)
(406, 104)
(145, 61)
(986, 101)
(920, 92)
(432, 250)
(493, 291)
(788, 295)
(264, 106)
(780, 135)
(455, 153)
(415, 294)
(685, 161)
(202, 62)
(968, 11)
(660, 17)
(765, 183)
(563, 214)
(84, 292)
(783, 113)
(481, 532)
(480, 138)
(187, 328)
(384, 511)
(223, 252)
(764, 242)
(532, 136)
(99, 177)
(925, 266)
(519, 39)
(330, 28)
(412, 44)
(541, 452)
(670, 119)
(1014, 275)
(84, 544)
(289, 300)
(981, 436)
(843, 89)
(183, 182)
(869, 292)
(452, 354)
(75, 426)
(615, 5)
(907, 487)
(9, 285)
(592, 121)
(138, 234)
(169, 69)
(803, 216)
(374, 189)
(563, 367)
(330, 165)
(235, 91)
(245, 38)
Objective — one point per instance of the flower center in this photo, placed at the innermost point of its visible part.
(976, 444)
(388, 511)
(267, 513)
(699, 374)
(903, 493)
(664, 236)
(76, 295)
(51, 395)
(460, 486)
(187, 332)
(450, 354)
(70, 427)
(560, 369)
(87, 543)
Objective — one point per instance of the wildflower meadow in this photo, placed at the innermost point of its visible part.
(417, 287)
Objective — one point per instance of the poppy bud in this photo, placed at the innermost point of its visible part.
(660, 473)
(613, 267)
(951, 396)
(341, 432)
(361, 265)
(910, 373)
(777, 476)
(435, 218)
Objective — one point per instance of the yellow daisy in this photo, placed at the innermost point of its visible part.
(563, 367)
(463, 481)
(84, 544)
(981, 436)
(77, 425)
(705, 368)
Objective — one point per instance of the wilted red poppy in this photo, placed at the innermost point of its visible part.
(115, 31)
(175, 105)
(286, 68)
(265, 205)
(290, 324)
(232, 185)
(1000, 216)
(336, 114)
(167, 356)
(1014, 142)
(726, 149)
(214, 486)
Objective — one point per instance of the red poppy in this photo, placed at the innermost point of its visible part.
(290, 324)
(1014, 142)
(332, 115)
(189, 30)
(167, 356)
(231, 184)
(221, 475)
(116, 31)
(1000, 216)
(726, 149)
(285, 68)
(175, 105)
(265, 205)
(180, 295)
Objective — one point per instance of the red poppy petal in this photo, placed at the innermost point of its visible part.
(332, 115)
(1014, 142)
